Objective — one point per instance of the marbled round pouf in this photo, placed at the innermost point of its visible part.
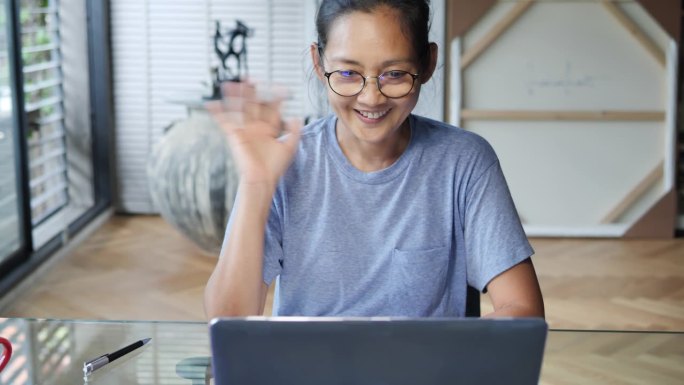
(193, 180)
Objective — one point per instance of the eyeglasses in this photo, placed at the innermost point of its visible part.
(393, 84)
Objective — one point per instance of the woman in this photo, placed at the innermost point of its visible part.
(371, 211)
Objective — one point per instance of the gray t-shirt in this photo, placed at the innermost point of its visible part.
(402, 241)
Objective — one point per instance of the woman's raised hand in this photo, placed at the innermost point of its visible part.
(253, 125)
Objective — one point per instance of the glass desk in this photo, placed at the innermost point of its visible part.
(53, 352)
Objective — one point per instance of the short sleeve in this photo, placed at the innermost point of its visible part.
(494, 238)
(273, 246)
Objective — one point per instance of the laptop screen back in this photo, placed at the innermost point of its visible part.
(427, 351)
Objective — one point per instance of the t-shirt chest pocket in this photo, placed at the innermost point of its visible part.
(418, 280)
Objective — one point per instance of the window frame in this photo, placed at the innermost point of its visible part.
(27, 259)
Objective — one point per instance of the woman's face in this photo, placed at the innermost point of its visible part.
(370, 44)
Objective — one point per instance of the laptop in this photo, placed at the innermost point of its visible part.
(376, 351)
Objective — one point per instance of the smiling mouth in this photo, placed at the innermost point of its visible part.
(372, 115)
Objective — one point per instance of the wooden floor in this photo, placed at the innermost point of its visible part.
(138, 267)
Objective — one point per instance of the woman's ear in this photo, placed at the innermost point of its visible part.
(432, 65)
(316, 60)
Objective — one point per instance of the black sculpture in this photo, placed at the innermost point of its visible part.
(231, 49)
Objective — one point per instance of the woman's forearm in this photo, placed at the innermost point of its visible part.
(536, 310)
(516, 292)
(236, 286)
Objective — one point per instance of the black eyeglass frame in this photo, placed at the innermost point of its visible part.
(377, 83)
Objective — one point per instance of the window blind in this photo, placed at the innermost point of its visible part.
(43, 104)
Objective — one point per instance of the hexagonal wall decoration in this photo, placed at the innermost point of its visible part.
(578, 99)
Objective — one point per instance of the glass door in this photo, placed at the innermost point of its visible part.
(12, 236)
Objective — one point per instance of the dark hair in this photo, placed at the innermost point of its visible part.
(414, 16)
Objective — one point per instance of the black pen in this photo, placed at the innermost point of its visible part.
(97, 363)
